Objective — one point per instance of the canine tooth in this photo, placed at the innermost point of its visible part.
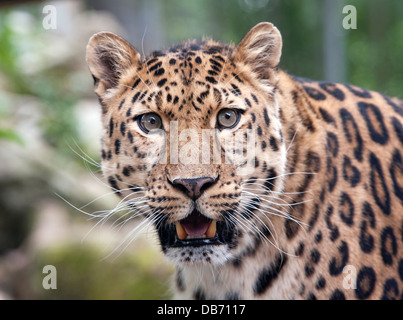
(181, 233)
(211, 231)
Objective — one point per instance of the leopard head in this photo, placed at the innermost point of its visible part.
(192, 139)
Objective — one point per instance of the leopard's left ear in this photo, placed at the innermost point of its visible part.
(260, 49)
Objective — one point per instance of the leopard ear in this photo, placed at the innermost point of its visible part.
(260, 49)
(109, 58)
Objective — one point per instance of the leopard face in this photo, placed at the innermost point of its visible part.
(181, 138)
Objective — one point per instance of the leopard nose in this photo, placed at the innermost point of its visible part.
(193, 187)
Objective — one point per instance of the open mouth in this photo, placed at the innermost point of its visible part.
(195, 230)
(196, 226)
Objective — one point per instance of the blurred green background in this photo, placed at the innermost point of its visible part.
(50, 123)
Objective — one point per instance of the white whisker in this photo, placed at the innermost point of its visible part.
(292, 140)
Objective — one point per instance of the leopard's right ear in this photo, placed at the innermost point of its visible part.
(109, 59)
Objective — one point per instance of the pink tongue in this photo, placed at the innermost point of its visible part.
(196, 224)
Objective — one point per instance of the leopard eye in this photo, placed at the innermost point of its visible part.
(150, 121)
(227, 118)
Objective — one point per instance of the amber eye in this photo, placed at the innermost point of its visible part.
(149, 122)
(228, 118)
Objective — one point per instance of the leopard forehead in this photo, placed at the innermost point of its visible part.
(189, 82)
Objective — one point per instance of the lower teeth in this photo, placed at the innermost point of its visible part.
(196, 237)
(210, 233)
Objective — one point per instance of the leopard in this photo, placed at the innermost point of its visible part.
(296, 191)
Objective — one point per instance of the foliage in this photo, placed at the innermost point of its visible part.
(374, 49)
(11, 135)
(83, 274)
(26, 65)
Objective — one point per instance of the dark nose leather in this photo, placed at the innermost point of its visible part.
(193, 187)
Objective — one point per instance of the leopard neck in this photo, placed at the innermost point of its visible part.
(306, 145)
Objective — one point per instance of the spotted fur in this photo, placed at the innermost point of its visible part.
(320, 216)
